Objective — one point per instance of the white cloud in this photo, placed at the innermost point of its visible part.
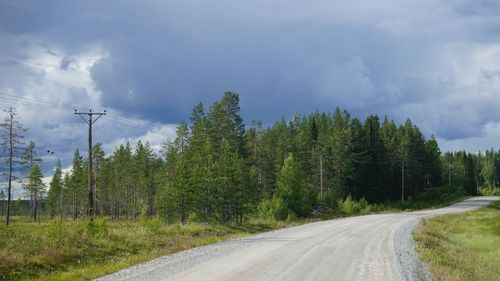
(46, 84)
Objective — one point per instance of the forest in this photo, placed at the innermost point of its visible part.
(220, 169)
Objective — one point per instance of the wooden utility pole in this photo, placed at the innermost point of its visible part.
(402, 182)
(477, 186)
(449, 174)
(321, 175)
(90, 211)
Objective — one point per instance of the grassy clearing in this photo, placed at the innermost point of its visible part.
(79, 250)
(461, 247)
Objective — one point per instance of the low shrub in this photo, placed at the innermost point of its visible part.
(490, 191)
(94, 228)
(152, 225)
(349, 206)
(274, 208)
(193, 218)
(56, 230)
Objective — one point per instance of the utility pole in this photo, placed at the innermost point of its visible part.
(321, 174)
(477, 186)
(449, 174)
(88, 120)
(402, 182)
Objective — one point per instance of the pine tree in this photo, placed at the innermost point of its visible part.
(225, 123)
(342, 154)
(433, 167)
(125, 181)
(76, 185)
(98, 157)
(374, 182)
(55, 194)
(36, 186)
(30, 159)
(293, 189)
(488, 173)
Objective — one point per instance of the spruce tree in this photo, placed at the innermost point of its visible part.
(293, 189)
(55, 193)
(36, 186)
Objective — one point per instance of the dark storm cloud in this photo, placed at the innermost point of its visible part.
(401, 59)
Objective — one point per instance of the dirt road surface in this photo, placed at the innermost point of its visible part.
(373, 247)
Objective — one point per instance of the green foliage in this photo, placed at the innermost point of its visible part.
(349, 206)
(488, 191)
(462, 246)
(151, 225)
(217, 170)
(56, 230)
(489, 174)
(53, 199)
(94, 228)
(329, 200)
(273, 209)
(28, 253)
(293, 190)
(193, 218)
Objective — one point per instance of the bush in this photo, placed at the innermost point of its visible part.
(152, 225)
(193, 218)
(273, 208)
(349, 206)
(329, 200)
(363, 203)
(56, 230)
(94, 229)
(490, 191)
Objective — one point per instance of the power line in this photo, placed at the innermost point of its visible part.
(124, 121)
(25, 101)
(140, 126)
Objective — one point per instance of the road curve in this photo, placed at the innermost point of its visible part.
(355, 248)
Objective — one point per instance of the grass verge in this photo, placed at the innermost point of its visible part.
(81, 250)
(461, 247)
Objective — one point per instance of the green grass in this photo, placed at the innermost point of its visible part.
(73, 251)
(462, 246)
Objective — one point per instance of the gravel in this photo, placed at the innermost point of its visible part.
(409, 265)
(178, 262)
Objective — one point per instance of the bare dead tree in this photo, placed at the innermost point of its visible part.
(11, 135)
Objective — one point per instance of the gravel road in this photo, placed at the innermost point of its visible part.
(373, 247)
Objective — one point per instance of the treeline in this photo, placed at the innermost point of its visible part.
(219, 170)
(476, 173)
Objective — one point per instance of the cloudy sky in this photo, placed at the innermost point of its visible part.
(436, 62)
